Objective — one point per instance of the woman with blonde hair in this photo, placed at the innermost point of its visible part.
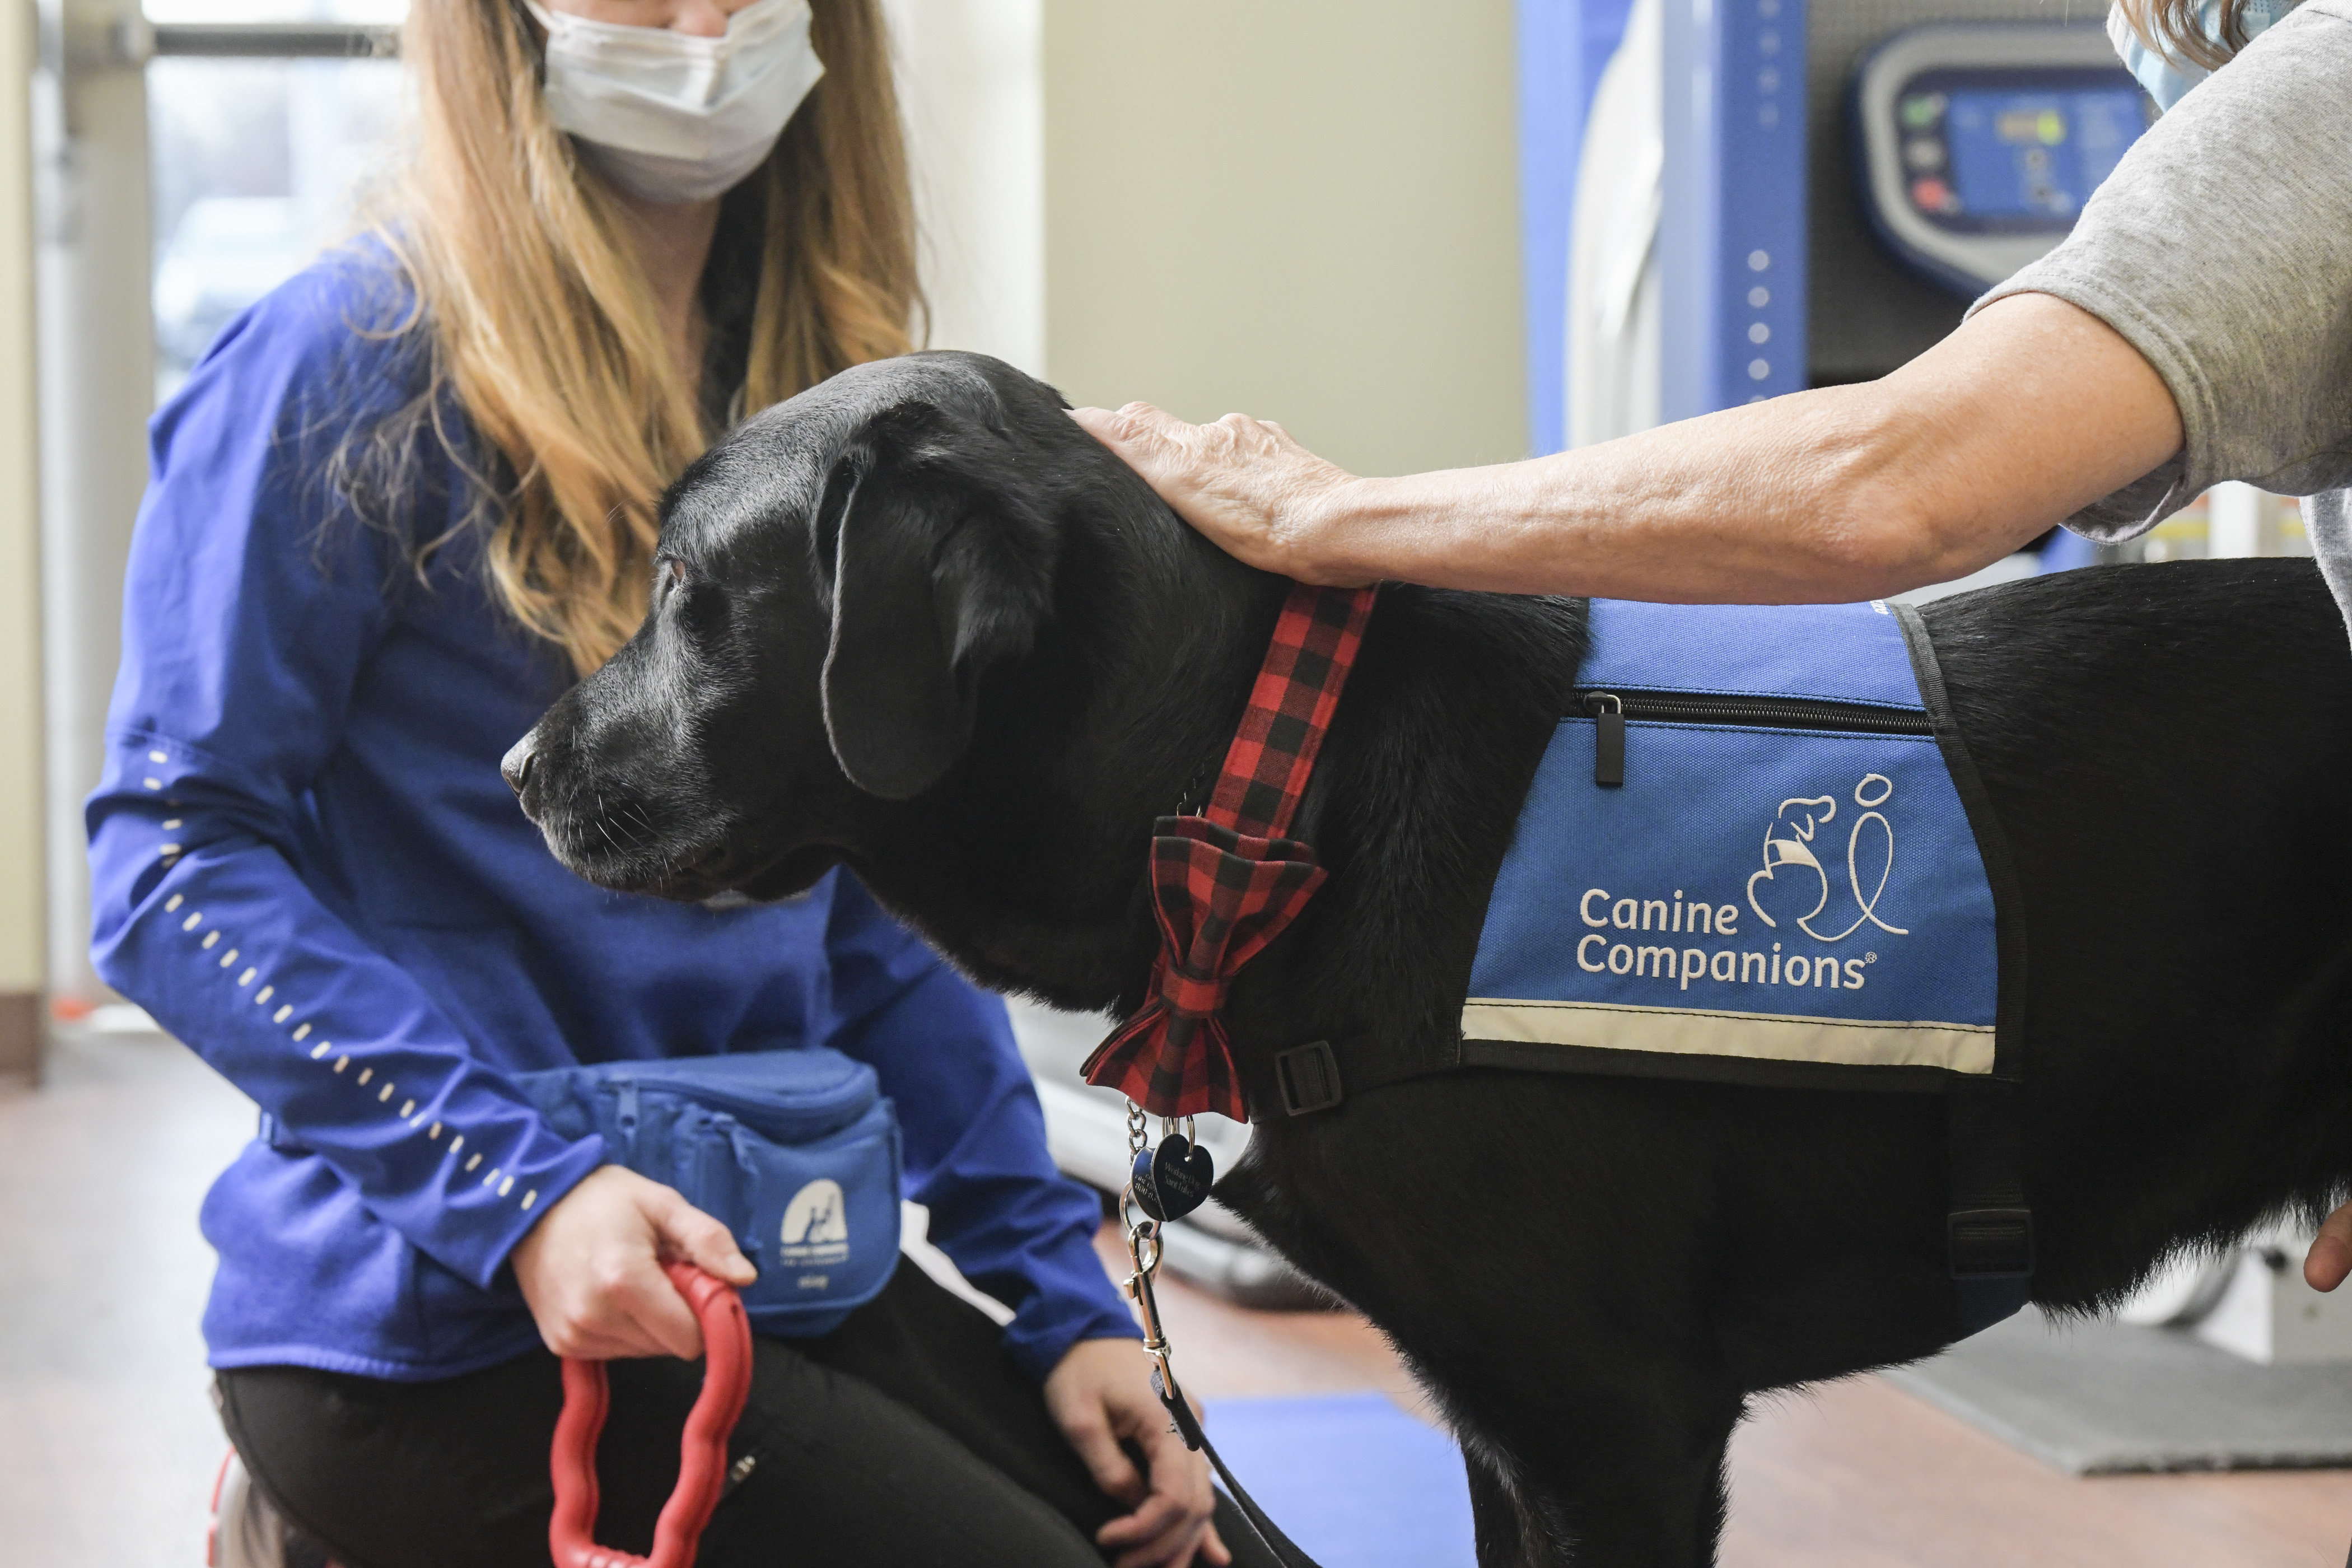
(400, 505)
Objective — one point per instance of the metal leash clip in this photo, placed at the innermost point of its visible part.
(1144, 1247)
(1143, 1250)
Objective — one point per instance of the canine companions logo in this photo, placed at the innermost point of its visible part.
(1792, 892)
(1789, 849)
(817, 1225)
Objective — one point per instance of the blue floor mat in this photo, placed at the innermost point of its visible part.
(1355, 1481)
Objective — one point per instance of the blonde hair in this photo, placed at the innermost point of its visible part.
(542, 326)
(2175, 28)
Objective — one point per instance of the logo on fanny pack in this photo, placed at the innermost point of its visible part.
(817, 1225)
(1796, 874)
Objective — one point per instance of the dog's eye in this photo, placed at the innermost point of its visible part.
(677, 569)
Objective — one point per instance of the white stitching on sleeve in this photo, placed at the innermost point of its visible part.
(502, 1183)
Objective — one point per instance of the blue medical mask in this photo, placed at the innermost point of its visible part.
(2167, 81)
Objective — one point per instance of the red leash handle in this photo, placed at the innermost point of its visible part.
(702, 1448)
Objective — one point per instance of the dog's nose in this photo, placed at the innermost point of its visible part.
(515, 767)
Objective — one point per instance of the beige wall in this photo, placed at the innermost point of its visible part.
(968, 85)
(1304, 209)
(21, 880)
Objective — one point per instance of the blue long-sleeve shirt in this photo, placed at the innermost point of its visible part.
(307, 867)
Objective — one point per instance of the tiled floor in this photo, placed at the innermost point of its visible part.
(108, 1439)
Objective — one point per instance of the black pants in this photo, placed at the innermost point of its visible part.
(905, 1436)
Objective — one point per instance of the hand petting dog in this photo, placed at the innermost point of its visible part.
(1247, 483)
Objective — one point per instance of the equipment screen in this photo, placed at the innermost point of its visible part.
(2013, 152)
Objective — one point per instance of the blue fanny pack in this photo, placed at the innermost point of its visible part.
(796, 1153)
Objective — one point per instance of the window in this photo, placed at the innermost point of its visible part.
(257, 163)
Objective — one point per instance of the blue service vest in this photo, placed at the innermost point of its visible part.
(1787, 873)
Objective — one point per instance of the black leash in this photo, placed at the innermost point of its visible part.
(1172, 1184)
(1285, 1550)
(1143, 1246)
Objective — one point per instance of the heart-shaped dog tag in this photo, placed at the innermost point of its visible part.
(1181, 1174)
(1147, 1192)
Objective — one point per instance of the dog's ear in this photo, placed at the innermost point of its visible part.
(939, 570)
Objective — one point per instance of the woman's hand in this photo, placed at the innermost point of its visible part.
(1100, 1393)
(591, 1268)
(1256, 492)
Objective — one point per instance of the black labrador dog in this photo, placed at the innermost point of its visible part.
(917, 622)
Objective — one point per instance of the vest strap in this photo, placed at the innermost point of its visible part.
(1321, 1074)
(1988, 1232)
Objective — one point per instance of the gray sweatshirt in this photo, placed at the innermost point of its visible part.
(2221, 248)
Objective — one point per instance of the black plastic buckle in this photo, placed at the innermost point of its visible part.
(1990, 1244)
(1310, 1077)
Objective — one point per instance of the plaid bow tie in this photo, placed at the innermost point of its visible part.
(1225, 883)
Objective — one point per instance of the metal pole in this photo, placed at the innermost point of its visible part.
(271, 40)
(24, 964)
(97, 377)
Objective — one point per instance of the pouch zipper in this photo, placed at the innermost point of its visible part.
(775, 1119)
(1610, 710)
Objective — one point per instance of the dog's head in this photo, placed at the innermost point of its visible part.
(847, 591)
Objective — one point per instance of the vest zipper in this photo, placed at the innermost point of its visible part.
(1610, 710)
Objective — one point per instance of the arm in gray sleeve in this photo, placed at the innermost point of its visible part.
(2221, 250)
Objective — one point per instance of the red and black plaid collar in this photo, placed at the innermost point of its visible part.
(1225, 883)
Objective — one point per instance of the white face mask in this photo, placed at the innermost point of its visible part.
(2167, 81)
(668, 117)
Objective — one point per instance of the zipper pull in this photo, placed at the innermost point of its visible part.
(1608, 738)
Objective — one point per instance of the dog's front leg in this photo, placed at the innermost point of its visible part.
(1545, 1250)
(1507, 1536)
(1625, 1473)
